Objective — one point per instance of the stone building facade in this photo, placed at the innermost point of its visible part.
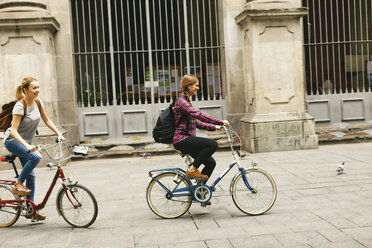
(263, 67)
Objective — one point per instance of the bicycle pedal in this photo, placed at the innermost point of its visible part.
(190, 177)
(201, 180)
(197, 179)
(204, 205)
(34, 220)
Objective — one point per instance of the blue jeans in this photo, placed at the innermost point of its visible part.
(29, 161)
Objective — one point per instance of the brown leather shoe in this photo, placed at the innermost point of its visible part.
(38, 216)
(20, 189)
(195, 174)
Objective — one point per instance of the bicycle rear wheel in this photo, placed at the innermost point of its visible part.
(261, 199)
(9, 212)
(161, 203)
(77, 205)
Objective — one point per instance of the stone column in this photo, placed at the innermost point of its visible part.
(233, 59)
(276, 118)
(27, 48)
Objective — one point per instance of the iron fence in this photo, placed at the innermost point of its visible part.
(136, 51)
(338, 46)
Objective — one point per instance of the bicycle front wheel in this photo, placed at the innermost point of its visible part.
(261, 198)
(77, 205)
(9, 212)
(161, 203)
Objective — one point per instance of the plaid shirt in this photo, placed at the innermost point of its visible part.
(195, 119)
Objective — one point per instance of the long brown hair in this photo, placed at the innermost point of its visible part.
(186, 81)
(24, 85)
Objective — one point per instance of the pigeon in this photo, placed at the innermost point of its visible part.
(144, 154)
(340, 168)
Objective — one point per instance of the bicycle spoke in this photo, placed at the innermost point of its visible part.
(77, 206)
(9, 213)
(76, 213)
(263, 197)
(160, 204)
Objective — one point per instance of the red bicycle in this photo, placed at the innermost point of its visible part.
(75, 203)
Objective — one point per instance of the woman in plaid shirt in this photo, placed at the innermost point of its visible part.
(188, 119)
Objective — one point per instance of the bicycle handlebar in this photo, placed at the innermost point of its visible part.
(59, 153)
(41, 147)
(228, 132)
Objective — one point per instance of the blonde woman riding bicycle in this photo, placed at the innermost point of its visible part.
(18, 138)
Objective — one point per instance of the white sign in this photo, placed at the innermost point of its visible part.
(148, 84)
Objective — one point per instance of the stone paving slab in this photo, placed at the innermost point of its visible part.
(344, 132)
(219, 243)
(315, 207)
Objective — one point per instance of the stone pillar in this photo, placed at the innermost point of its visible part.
(233, 59)
(27, 48)
(276, 118)
(61, 10)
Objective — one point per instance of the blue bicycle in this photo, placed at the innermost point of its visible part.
(170, 193)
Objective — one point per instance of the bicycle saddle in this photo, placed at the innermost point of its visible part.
(8, 158)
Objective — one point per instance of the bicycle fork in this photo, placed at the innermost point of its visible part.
(245, 180)
(66, 184)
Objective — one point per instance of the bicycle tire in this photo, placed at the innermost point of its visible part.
(159, 203)
(8, 215)
(254, 203)
(82, 215)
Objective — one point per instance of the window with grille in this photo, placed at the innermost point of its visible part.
(338, 46)
(136, 51)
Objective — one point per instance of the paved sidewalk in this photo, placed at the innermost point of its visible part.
(315, 206)
(335, 133)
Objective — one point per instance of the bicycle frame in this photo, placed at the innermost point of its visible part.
(235, 162)
(59, 174)
(75, 203)
(179, 171)
(213, 185)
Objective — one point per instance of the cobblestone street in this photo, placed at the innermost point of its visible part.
(315, 206)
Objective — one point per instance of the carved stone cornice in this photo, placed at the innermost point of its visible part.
(269, 13)
(22, 6)
(28, 21)
(270, 4)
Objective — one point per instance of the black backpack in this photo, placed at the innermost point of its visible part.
(165, 126)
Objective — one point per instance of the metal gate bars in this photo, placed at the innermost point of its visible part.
(338, 46)
(135, 51)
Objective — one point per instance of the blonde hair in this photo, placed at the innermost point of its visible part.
(186, 81)
(24, 85)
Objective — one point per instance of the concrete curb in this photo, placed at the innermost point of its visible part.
(139, 152)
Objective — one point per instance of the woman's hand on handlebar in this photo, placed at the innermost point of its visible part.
(61, 138)
(225, 123)
(31, 148)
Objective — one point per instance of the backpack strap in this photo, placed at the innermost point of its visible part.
(25, 105)
(38, 103)
(184, 116)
